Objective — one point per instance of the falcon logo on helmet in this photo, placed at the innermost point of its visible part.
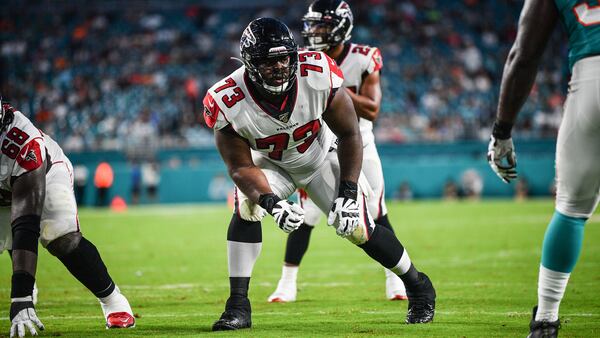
(327, 24)
(248, 38)
(270, 55)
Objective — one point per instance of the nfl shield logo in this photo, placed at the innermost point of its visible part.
(285, 117)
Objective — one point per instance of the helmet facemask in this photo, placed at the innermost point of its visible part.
(276, 73)
(325, 28)
(270, 59)
(318, 35)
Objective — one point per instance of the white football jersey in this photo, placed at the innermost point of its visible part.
(358, 61)
(293, 136)
(24, 149)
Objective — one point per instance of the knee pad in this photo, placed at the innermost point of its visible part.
(241, 230)
(65, 244)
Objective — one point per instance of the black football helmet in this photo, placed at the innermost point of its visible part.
(269, 54)
(327, 23)
(6, 114)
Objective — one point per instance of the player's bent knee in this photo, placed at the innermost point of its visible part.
(65, 244)
(359, 236)
(241, 230)
(582, 208)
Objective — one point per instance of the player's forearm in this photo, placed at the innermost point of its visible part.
(536, 23)
(365, 107)
(26, 232)
(28, 194)
(251, 181)
(517, 81)
(350, 156)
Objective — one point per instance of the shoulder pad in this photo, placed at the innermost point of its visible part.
(375, 62)
(218, 107)
(319, 71)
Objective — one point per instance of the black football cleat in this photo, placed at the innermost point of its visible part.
(544, 328)
(237, 315)
(421, 302)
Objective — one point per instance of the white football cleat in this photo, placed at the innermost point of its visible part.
(394, 287)
(285, 292)
(117, 311)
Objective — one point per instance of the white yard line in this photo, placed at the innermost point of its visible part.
(204, 286)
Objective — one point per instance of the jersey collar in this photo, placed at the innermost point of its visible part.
(281, 112)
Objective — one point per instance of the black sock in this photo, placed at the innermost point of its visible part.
(385, 222)
(87, 266)
(238, 286)
(384, 247)
(411, 278)
(297, 244)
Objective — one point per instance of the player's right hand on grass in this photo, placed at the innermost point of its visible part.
(22, 314)
(288, 215)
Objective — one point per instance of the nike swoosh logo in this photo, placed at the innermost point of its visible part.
(24, 153)
(211, 104)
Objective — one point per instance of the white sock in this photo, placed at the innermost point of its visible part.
(551, 289)
(403, 265)
(289, 273)
(388, 273)
(107, 299)
(241, 257)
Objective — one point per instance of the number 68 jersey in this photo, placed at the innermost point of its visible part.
(24, 148)
(293, 136)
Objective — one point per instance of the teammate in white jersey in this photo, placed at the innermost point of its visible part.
(577, 145)
(271, 119)
(37, 202)
(327, 27)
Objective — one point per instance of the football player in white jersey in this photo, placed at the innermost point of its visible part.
(38, 203)
(327, 27)
(275, 119)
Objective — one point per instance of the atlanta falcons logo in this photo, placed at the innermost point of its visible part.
(248, 38)
(31, 156)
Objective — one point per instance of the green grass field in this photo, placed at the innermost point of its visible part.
(170, 261)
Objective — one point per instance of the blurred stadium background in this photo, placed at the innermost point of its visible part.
(123, 83)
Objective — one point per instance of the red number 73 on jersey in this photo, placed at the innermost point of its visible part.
(279, 142)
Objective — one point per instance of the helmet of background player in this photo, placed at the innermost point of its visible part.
(1, 110)
(6, 114)
(327, 24)
(270, 54)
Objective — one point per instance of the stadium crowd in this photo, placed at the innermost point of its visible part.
(106, 77)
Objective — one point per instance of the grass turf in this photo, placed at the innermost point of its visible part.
(170, 261)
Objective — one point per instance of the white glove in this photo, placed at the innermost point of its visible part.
(502, 158)
(22, 314)
(288, 215)
(345, 211)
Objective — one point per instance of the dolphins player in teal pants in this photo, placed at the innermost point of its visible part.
(578, 142)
